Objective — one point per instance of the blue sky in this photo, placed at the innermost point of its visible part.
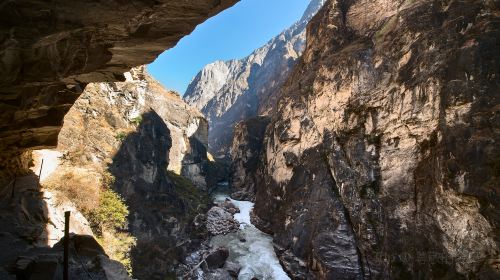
(232, 34)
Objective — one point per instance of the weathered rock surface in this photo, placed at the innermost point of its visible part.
(229, 206)
(145, 137)
(107, 112)
(246, 153)
(217, 258)
(162, 204)
(32, 221)
(219, 221)
(231, 91)
(49, 51)
(382, 159)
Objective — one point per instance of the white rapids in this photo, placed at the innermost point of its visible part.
(256, 254)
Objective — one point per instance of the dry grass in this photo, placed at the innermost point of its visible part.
(79, 185)
(118, 246)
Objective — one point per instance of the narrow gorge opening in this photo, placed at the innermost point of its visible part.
(311, 139)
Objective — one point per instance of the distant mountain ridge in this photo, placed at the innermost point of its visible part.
(227, 92)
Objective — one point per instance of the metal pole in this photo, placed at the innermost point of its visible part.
(66, 245)
(40, 172)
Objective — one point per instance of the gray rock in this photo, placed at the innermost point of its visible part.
(227, 92)
(219, 221)
(246, 152)
(217, 258)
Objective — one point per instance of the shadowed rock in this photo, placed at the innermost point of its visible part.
(49, 51)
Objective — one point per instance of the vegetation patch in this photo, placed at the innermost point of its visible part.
(120, 136)
(111, 214)
(193, 198)
(105, 210)
(137, 120)
(118, 246)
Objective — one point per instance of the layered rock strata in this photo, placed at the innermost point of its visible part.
(106, 113)
(382, 159)
(49, 51)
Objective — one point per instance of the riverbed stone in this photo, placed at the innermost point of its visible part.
(219, 221)
(230, 207)
(217, 258)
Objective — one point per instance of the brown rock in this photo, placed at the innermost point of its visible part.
(378, 163)
(49, 52)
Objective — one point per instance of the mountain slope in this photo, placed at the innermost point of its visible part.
(227, 92)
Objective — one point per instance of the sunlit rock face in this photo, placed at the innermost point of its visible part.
(227, 92)
(106, 113)
(49, 51)
(382, 159)
(141, 134)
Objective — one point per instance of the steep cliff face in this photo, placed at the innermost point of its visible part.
(246, 153)
(145, 137)
(49, 51)
(235, 90)
(382, 159)
(106, 113)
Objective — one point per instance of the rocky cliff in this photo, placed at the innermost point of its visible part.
(106, 113)
(49, 51)
(382, 159)
(145, 137)
(147, 145)
(246, 153)
(227, 92)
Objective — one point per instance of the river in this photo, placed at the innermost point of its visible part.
(251, 248)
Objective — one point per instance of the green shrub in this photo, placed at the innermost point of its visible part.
(137, 120)
(118, 245)
(110, 214)
(120, 136)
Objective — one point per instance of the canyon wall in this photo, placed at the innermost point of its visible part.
(106, 113)
(382, 159)
(246, 153)
(49, 51)
(227, 92)
(145, 137)
(147, 145)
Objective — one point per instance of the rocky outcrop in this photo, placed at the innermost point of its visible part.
(154, 146)
(162, 204)
(32, 226)
(106, 113)
(87, 259)
(49, 51)
(231, 91)
(382, 159)
(246, 153)
(220, 221)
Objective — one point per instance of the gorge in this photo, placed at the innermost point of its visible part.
(360, 143)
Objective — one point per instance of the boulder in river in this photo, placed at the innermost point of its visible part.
(217, 258)
(230, 207)
(219, 221)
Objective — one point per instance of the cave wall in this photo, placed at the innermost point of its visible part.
(49, 51)
(382, 159)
